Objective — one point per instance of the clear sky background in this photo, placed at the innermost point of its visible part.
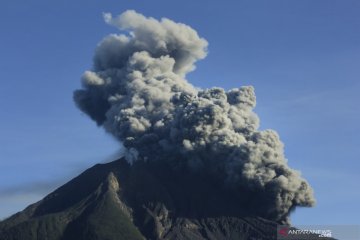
(302, 57)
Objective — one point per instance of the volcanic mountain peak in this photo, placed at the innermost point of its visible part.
(121, 201)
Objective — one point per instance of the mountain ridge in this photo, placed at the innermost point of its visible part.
(118, 201)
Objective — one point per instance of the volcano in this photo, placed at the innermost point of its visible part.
(117, 200)
(122, 201)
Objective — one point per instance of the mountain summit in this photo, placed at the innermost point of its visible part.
(117, 201)
(145, 200)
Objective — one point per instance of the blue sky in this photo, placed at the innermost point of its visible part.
(302, 57)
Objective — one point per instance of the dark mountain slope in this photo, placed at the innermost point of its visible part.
(87, 207)
(117, 201)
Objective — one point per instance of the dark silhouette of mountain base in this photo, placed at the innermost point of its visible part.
(116, 201)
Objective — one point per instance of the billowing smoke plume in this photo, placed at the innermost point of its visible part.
(138, 93)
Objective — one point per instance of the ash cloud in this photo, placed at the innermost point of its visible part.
(138, 92)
